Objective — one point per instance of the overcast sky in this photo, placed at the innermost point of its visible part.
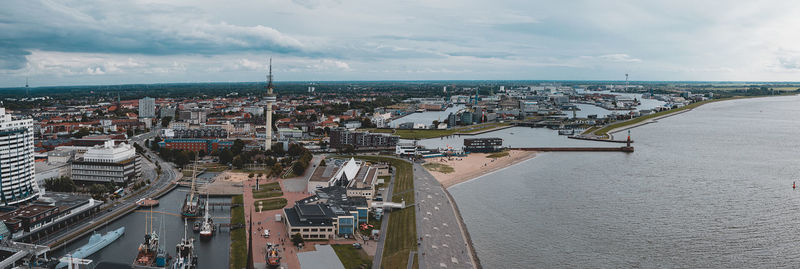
(118, 41)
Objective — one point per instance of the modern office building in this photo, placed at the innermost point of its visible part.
(107, 163)
(341, 137)
(17, 171)
(328, 214)
(147, 107)
(489, 144)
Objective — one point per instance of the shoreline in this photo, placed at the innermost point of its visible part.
(469, 168)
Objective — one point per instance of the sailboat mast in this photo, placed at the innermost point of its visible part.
(194, 176)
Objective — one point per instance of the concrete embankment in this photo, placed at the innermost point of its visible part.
(587, 149)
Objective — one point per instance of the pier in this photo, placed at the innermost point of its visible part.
(597, 138)
(578, 149)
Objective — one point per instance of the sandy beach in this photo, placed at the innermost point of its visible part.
(475, 165)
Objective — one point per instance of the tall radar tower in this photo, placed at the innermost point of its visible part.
(270, 98)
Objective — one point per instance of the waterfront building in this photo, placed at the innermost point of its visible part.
(405, 149)
(360, 139)
(107, 163)
(147, 107)
(17, 171)
(328, 213)
(490, 144)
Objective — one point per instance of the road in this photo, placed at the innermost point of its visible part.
(443, 245)
(376, 261)
(169, 174)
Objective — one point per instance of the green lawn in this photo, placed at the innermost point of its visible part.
(351, 257)
(498, 154)
(439, 167)
(268, 190)
(270, 204)
(238, 253)
(402, 231)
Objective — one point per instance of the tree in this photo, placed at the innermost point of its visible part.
(129, 133)
(83, 131)
(322, 162)
(61, 184)
(165, 121)
(238, 162)
(277, 150)
(225, 156)
(238, 146)
(297, 239)
(182, 158)
(251, 175)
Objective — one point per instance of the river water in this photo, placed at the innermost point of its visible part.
(708, 188)
(212, 253)
(426, 117)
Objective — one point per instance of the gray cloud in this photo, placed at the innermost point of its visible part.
(45, 25)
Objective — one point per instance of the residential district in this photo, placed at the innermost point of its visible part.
(329, 176)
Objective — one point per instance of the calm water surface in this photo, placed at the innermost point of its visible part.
(706, 188)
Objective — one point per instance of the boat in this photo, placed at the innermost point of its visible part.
(149, 255)
(273, 256)
(147, 202)
(192, 204)
(96, 242)
(566, 132)
(207, 228)
(186, 259)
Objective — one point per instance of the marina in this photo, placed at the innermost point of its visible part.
(123, 251)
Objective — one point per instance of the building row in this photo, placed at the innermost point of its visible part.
(340, 137)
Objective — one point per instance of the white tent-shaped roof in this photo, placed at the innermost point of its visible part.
(349, 169)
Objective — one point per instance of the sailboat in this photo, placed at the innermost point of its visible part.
(207, 228)
(186, 259)
(191, 204)
(150, 256)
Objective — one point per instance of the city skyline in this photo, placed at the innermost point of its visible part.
(104, 42)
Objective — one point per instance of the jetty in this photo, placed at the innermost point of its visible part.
(579, 149)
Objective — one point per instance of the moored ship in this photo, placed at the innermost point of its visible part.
(186, 259)
(96, 242)
(207, 227)
(192, 204)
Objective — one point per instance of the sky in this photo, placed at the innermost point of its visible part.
(119, 41)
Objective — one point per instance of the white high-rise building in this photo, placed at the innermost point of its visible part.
(147, 107)
(17, 172)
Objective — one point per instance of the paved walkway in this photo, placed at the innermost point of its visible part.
(376, 260)
(442, 242)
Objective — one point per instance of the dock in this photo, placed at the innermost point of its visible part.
(598, 139)
(578, 149)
